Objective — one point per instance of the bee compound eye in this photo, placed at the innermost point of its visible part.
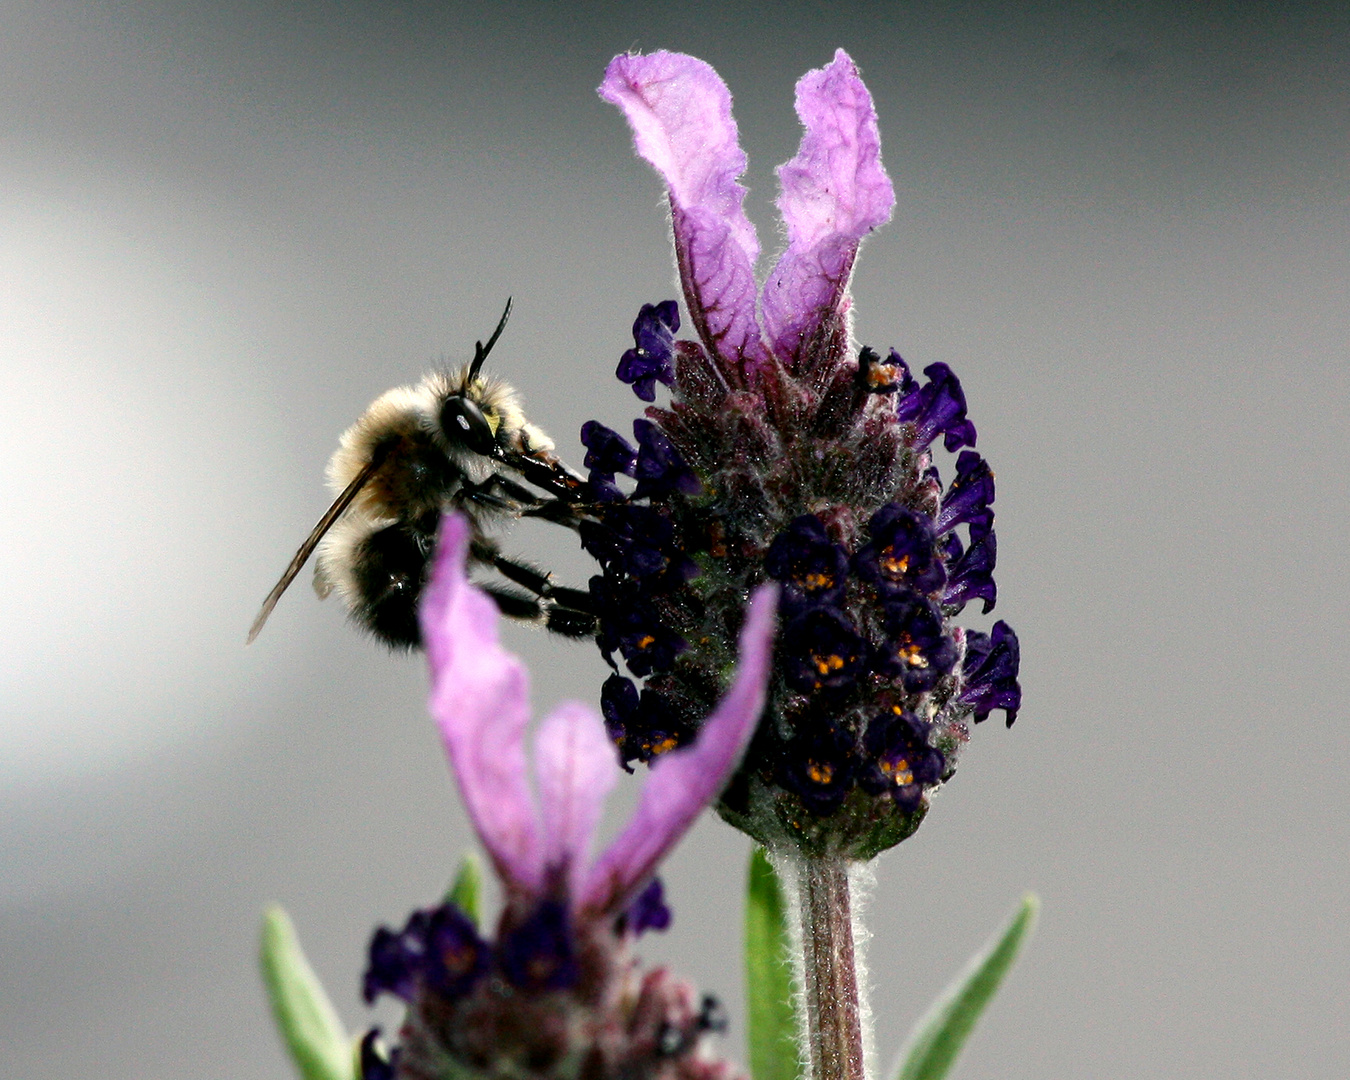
(464, 424)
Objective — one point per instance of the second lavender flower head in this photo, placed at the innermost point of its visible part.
(556, 992)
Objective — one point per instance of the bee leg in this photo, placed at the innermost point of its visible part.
(514, 604)
(503, 493)
(565, 611)
(558, 511)
(561, 620)
(510, 489)
(482, 495)
(569, 623)
(539, 582)
(482, 498)
(523, 574)
(551, 476)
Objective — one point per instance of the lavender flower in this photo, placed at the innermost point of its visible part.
(556, 991)
(785, 454)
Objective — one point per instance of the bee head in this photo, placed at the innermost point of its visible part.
(464, 424)
(463, 421)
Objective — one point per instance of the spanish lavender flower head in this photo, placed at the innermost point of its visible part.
(786, 453)
(556, 993)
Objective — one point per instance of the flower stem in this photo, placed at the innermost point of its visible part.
(829, 971)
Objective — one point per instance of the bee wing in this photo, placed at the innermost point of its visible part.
(334, 512)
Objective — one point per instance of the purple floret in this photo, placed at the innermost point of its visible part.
(990, 671)
(439, 948)
(606, 450)
(899, 760)
(916, 648)
(640, 725)
(631, 625)
(902, 554)
(660, 468)
(819, 768)
(971, 571)
(539, 954)
(938, 407)
(648, 911)
(969, 497)
(651, 360)
(812, 568)
(821, 650)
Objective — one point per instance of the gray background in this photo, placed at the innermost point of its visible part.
(224, 228)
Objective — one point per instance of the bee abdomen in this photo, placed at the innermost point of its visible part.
(388, 574)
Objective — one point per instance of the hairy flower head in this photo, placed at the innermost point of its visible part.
(786, 453)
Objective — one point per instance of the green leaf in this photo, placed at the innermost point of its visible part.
(771, 1018)
(466, 892)
(936, 1040)
(305, 1017)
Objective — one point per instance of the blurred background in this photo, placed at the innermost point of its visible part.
(226, 227)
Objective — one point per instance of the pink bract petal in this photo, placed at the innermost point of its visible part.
(576, 768)
(680, 113)
(480, 700)
(834, 192)
(683, 782)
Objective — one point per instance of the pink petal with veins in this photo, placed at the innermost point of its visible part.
(680, 113)
(480, 700)
(834, 192)
(576, 768)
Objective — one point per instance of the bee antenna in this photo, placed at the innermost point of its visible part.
(480, 350)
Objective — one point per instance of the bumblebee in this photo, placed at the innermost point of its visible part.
(451, 442)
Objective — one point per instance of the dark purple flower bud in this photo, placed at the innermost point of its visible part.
(970, 572)
(819, 768)
(898, 759)
(630, 624)
(902, 554)
(539, 954)
(969, 495)
(647, 647)
(601, 489)
(651, 358)
(938, 407)
(648, 911)
(439, 948)
(640, 726)
(820, 650)
(606, 450)
(812, 568)
(639, 544)
(712, 1016)
(654, 555)
(375, 1065)
(456, 957)
(660, 468)
(990, 672)
(916, 649)
(389, 968)
(619, 706)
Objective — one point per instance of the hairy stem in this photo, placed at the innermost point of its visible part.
(829, 971)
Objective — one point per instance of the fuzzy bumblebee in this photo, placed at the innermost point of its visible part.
(453, 441)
